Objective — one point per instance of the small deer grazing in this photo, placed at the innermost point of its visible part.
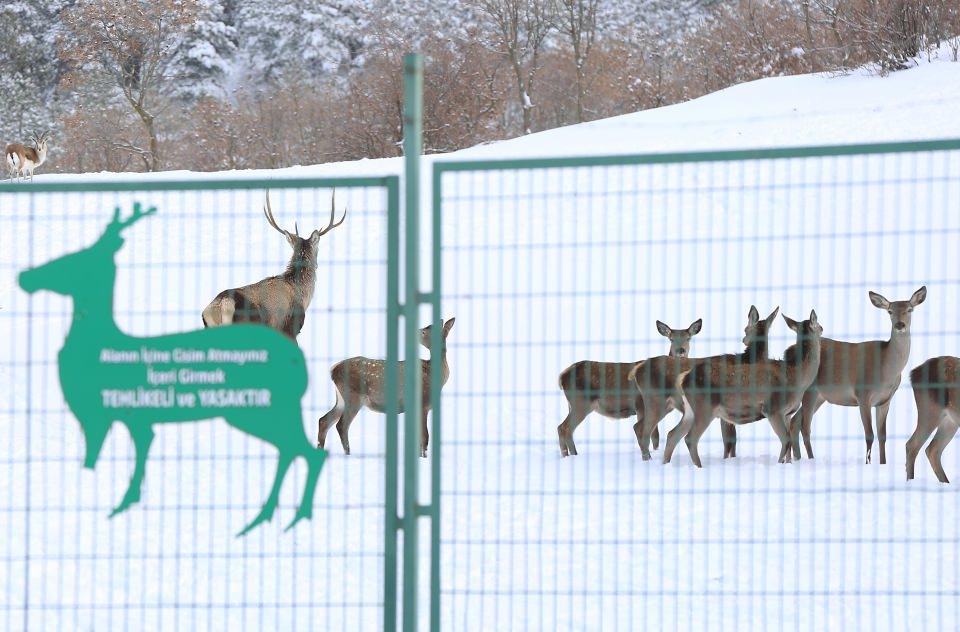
(22, 160)
(936, 387)
(361, 382)
(606, 388)
(862, 374)
(279, 301)
(741, 393)
(658, 392)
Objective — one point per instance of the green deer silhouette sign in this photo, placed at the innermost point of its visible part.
(252, 376)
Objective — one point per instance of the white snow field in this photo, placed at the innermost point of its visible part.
(541, 268)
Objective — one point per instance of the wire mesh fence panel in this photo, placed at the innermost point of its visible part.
(548, 263)
(173, 560)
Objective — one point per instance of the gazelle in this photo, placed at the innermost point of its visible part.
(658, 392)
(606, 388)
(279, 301)
(936, 387)
(861, 374)
(89, 379)
(361, 382)
(743, 393)
(22, 160)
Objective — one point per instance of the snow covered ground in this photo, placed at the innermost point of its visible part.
(541, 268)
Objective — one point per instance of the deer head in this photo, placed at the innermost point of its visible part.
(756, 330)
(680, 338)
(900, 311)
(304, 250)
(444, 332)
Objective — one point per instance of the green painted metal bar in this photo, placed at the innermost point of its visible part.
(436, 383)
(412, 147)
(193, 185)
(441, 166)
(391, 516)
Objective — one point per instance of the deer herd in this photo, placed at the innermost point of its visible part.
(735, 388)
(749, 386)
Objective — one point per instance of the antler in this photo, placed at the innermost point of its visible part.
(268, 212)
(138, 214)
(331, 225)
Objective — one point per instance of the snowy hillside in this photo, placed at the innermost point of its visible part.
(541, 268)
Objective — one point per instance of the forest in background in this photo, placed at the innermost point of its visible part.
(149, 85)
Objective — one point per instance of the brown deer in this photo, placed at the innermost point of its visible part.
(22, 160)
(936, 387)
(606, 388)
(361, 382)
(658, 392)
(743, 393)
(279, 301)
(862, 374)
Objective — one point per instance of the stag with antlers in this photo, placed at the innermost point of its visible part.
(22, 160)
(279, 301)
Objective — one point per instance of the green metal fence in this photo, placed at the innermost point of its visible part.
(550, 261)
(174, 559)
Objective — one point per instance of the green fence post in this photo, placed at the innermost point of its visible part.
(436, 369)
(412, 147)
(391, 517)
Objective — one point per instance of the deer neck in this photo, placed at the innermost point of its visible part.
(302, 274)
(806, 370)
(896, 352)
(756, 351)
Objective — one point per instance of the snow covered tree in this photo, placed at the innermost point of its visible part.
(29, 67)
(518, 30)
(206, 52)
(133, 48)
(298, 38)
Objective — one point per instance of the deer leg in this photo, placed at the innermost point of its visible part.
(802, 421)
(927, 419)
(332, 416)
(142, 438)
(424, 434)
(343, 426)
(651, 414)
(266, 512)
(866, 418)
(882, 411)
(700, 425)
(945, 432)
(729, 432)
(678, 432)
(779, 425)
(574, 418)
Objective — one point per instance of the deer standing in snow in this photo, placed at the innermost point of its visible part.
(606, 388)
(862, 374)
(741, 393)
(361, 381)
(279, 301)
(659, 393)
(22, 160)
(936, 387)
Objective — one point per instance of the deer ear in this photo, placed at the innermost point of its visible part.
(663, 329)
(753, 317)
(878, 301)
(694, 329)
(315, 237)
(791, 323)
(919, 296)
(773, 315)
(813, 317)
(447, 326)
